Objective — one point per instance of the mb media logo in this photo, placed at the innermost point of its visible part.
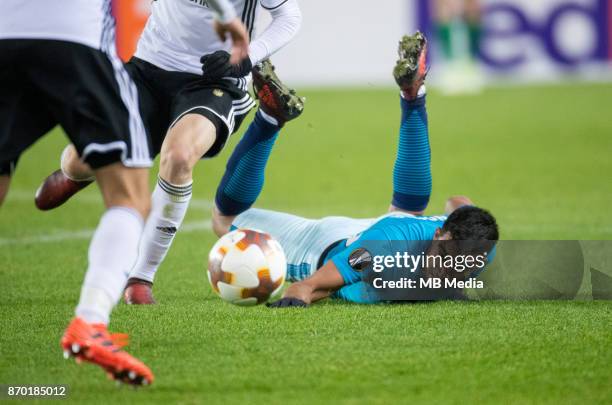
(564, 33)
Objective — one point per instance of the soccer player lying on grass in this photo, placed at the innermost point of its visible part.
(192, 99)
(323, 255)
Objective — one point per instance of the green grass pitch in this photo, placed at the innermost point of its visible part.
(539, 158)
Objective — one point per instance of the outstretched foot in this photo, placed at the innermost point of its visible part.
(138, 292)
(275, 98)
(92, 343)
(411, 67)
(56, 190)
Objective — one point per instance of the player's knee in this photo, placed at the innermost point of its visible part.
(185, 144)
(176, 163)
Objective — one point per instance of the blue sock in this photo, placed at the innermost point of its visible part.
(412, 171)
(244, 173)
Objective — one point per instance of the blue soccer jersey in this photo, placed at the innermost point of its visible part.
(411, 234)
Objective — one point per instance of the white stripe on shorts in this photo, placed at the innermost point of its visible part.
(140, 155)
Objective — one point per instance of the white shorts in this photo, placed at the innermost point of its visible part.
(303, 240)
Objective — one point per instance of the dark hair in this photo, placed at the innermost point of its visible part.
(471, 223)
(473, 231)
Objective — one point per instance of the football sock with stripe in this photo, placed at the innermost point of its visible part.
(169, 205)
(112, 253)
(244, 174)
(412, 171)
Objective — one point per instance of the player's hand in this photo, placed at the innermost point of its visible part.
(217, 65)
(455, 202)
(239, 37)
(287, 302)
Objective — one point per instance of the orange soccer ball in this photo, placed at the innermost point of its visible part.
(246, 267)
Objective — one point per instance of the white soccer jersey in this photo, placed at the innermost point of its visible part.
(81, 21)
(179, 32)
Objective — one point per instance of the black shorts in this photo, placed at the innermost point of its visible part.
(166, 96)
(87, 91)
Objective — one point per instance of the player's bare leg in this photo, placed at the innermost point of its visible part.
(112, 252)
(221, 224)
(278, 104)
(5, 182)
(186, 143)
(184, 146)
(72, 176)
(125, 187)
(74, 167)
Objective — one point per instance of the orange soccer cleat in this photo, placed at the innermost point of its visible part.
(411, 68)
(93, 343)
(275, 98)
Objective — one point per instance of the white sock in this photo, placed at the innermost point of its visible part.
(169, 205)
(112, 253)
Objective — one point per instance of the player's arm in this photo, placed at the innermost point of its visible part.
(224, 9)
(320, 285)
(455, 202)
(230, 24)
(286, 22)
(343, 269)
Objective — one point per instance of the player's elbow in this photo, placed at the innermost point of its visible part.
(455, 202)
(290, 16)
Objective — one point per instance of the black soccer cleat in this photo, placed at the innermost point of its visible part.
(275, 98)
(411, 67)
